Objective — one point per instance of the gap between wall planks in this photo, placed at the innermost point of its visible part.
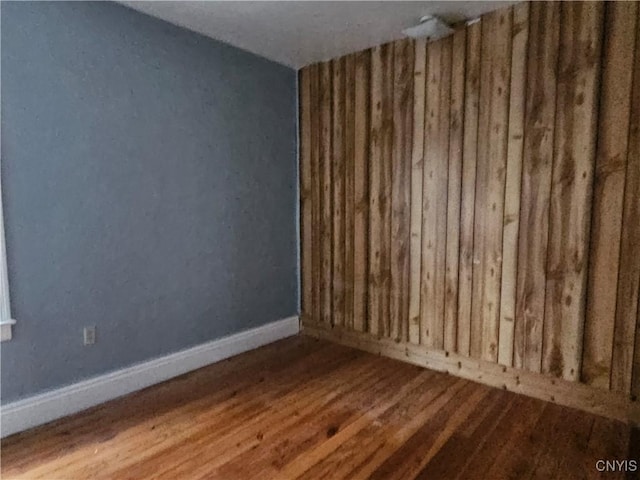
(476, 195)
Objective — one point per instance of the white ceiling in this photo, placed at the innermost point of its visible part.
(298, 33)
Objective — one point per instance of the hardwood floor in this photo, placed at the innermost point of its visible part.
(305, 408)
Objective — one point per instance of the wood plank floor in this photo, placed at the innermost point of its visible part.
(304, 408)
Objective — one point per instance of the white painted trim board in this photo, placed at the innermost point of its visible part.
(45, 407)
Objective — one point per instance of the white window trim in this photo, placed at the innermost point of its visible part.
(6, 321)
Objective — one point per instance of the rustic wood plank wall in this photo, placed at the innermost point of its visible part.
(478, 196)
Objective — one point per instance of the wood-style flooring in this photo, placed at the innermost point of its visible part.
(304, 408)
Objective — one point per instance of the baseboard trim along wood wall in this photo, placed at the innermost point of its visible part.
(556, 390)
(39, 409)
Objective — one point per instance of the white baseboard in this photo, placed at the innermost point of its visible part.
(30, 412)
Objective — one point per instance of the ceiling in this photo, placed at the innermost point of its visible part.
(298, 33)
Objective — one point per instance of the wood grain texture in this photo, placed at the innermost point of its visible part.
(338, 177)
(540, 111)
(490, 184)
(376, 195)
(628, 294)
(361, 191)
(511, 217)
(302, 408)
(434, 204)
(608, 190)
(469, 171)
(482, 158)
(495, 194)
(456, 453)
(316, 194)
(417, 166)
(454, 187)
(349, 187)
(386, 183)
(326, 194)
(381, 135)
(496, 448)
(306, 203)
(555, 390)
(635, 380)
(571, 189)
(401, 188)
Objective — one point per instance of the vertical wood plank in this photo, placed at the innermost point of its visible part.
(349, 188)
(375, 189)
(490, 184)
(316, 189)
(542, 55)
(417, 161)
(381, 135)
(443, 185)
(571, 188)
(385, 201)
(608, 194)
(484, 110)
(338, 190)
(434, 215)
(511, 219)
(454, 189)
(498, 151)
(467, 207)
(401, 187)
(327, 191)
(306, 223)
(628, 295)
(635, 381)
(361, 186)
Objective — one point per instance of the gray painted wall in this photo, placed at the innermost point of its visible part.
(149, 188)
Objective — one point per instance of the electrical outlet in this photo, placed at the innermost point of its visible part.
(89, 335)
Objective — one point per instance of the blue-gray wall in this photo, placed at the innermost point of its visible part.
(149, 188)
